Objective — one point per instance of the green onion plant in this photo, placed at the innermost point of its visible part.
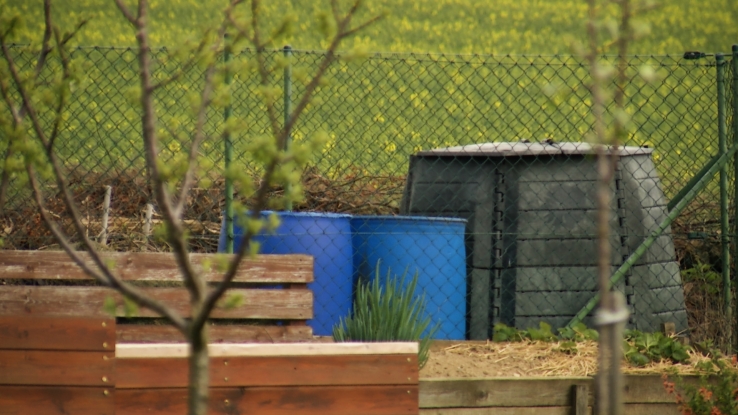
(387, 312)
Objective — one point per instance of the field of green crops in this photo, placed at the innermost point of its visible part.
(448, 26)
(379, 111)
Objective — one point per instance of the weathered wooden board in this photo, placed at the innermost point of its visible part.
(57, 333)
(647, 389)
(48, 400)
(30, 367)
(630, 409)
(153, 266)
(517, 392)
(652, 409)
(580, 399)
(137, 333)
(127, 351)
(510, 410)
(290, 400)
(51, 300)
(272, 371)
(470, 393)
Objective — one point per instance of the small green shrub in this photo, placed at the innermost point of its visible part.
(638, 348)
(641, 348)
(580, 332)
(389, 313)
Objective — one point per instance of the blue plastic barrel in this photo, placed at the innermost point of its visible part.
(433, 247)
(326, 237)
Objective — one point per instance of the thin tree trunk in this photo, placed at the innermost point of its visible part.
(199, 382)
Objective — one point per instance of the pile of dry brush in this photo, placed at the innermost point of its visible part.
(21, 226)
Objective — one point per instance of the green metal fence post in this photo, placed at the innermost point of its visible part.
(735, 160)
(724, 219)
(228, 158)
(288, 102)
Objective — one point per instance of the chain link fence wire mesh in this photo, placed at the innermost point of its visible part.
(487, 155)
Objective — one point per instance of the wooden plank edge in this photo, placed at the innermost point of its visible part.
(509, 392)
(139, 333)
(56, 265)
(158, 350)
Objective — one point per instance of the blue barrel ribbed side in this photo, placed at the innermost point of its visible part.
(326, 237)
(431, 246)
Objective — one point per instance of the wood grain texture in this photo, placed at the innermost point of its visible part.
(136, 333)
(88, 301)
(153, 266)
(57, 333)
(29, 367)
(168, 350)
(517, 392)
(630, 409)
(471, 393)
(648, 389)
(580, 399)
(499, 410)
(46, 400)
(272, 371)
(651, 409)
(310, 400)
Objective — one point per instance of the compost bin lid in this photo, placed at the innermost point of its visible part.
(522, 148)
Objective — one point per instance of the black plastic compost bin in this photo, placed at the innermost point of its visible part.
(530, 236)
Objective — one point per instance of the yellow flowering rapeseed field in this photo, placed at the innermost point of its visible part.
(487, 84)
(447, 26)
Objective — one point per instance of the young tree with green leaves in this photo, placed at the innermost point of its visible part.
(29, 100)
(607, 88)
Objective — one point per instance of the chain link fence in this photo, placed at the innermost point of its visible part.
(472, 171)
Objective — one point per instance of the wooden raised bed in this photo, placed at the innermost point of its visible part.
(643, 395)
(306, 378)
(71, 365)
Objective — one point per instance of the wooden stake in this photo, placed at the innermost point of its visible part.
(581, 399)
(147, 221)
(106, 214)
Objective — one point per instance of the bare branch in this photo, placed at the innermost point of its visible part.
(263, 69)
(175, 227)
(17, 118)
(68, 36)
(126, 13)
(334, 10)
(363, 25)
(45, 49)
(182, 70)
(281, 138)
(61, 96)
(105, 277)
(199, 136)
(9, 153)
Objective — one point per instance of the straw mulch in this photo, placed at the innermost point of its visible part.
(531, 359)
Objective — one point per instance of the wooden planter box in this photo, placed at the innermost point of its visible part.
(643, 395)
(71, 365)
